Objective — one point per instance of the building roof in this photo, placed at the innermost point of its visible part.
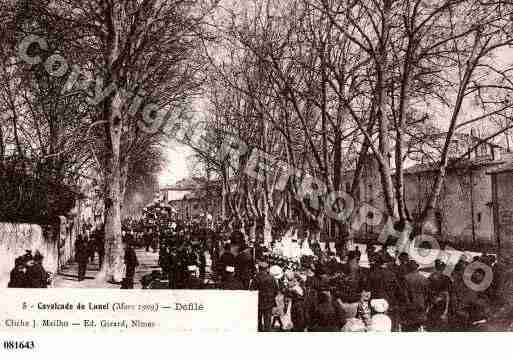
(185, 184)
(508, 167)
(435, 133)
(462, 164)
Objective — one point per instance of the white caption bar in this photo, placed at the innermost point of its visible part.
(127, 311)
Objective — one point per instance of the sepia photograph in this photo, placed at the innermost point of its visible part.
(348, 163)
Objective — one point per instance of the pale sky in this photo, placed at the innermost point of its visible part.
(175, 167)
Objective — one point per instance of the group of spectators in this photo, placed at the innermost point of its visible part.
(88, 244)
(28, 272)
(326, 291)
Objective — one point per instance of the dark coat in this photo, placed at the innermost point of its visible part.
(232, 283)
(244, 267)
(325, 316)
(99, 240)
(193, 283)
(128, 238)
(298, 313)
(81, 251)
(37, 276)
(227, 259)
(384, 284)
(131, 261)
(267, 289)
(18, 278)
(350, 286)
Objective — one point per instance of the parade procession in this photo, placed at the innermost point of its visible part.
(302, 284)
(349, 163)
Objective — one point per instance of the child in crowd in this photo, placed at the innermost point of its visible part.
(363, 311)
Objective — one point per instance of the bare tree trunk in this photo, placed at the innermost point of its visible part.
(16, 135)
(224, 196)
(429, 211)
(384, 138)
(112, 270)
(2, 145)
(399, 142)
(267, 222)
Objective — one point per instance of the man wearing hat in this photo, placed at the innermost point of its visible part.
(267, 289)
(148, 238)
(81, 256)
(244, 265)
(230, 282)
(328, 315)
(439, 288)
(349, 287)
(227, 259)
(28, 256)
(417, 289)
(36, 274)
(131, 264)
(18, 276)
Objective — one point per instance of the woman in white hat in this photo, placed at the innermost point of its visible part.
(380, 322)
(279, 309)
(276, 272)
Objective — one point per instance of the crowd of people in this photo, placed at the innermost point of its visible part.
(324, 291)
(29, 272)
(364, 288)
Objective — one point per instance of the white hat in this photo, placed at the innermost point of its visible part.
(379, 305)
(276, 271)
(192, 268)
(230, 269)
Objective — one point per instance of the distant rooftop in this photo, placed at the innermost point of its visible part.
(508, 167)
(462, 164)
(185, 184)
(192, 184)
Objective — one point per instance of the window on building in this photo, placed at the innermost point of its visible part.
(479, 217)
(483, 151)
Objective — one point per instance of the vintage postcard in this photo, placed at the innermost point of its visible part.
(245, 166)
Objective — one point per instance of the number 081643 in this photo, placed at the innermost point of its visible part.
(18, 345)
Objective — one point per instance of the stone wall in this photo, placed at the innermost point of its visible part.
(465, 198)
(504, 230)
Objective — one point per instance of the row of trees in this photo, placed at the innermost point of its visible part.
(103, 78)
(321, 85)
(317, 85)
